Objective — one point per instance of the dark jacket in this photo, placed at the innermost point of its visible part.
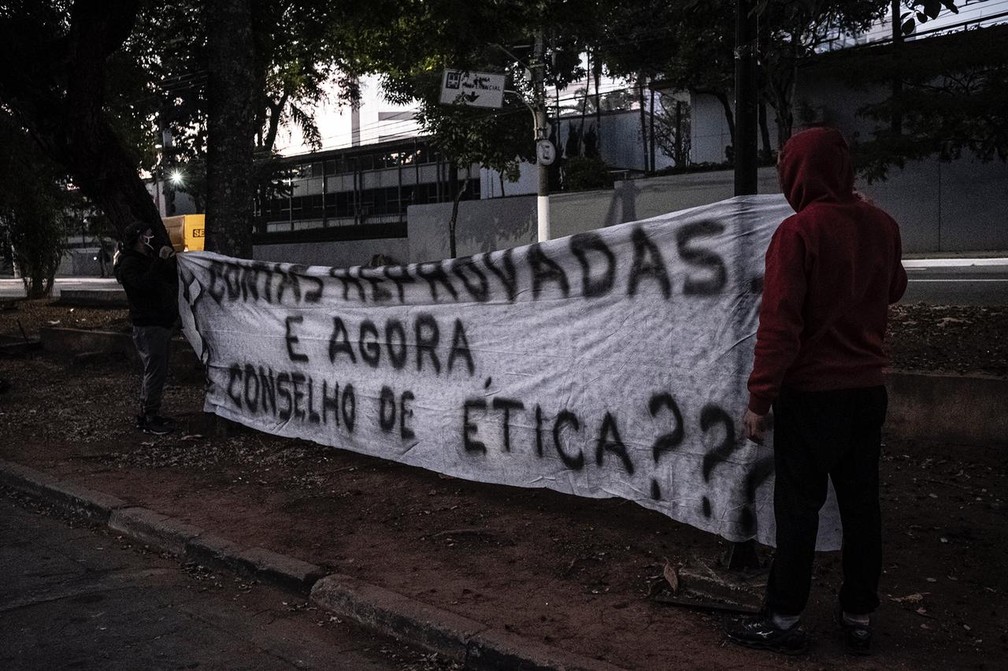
(832, 270)
(151, 286)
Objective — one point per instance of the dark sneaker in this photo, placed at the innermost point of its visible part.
(857, 637)
(760, 632)
(154, 424)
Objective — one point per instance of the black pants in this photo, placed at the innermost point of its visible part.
(152, 344)
(820, 435)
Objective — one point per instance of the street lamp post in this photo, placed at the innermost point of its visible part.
(545, 151)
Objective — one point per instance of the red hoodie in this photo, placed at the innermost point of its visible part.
(832, 270)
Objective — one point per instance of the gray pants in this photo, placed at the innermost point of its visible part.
(152, 345)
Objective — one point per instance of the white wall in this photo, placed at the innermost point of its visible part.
(486, 225)
(339, 254)
(941, 206)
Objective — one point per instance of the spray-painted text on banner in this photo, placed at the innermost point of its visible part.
(610, 363)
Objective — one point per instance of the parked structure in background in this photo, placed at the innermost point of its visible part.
(360, 190)
(186, 231)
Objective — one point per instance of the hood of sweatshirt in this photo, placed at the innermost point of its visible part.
(815, 166)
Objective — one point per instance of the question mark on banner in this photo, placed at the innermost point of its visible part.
(759, 474)
(712, 416)
(666, 442)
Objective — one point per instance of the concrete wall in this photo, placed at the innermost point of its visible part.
(621, 144)
(941, 206)
(482, 226)
(486, 225)
(709, 133)
(967, 410)
(341, 254)
(954, 206)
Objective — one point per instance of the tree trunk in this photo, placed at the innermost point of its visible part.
(597, 76)
(231, 127)
(784, 117)
(782, 86)
(651, 133)
(767, 152)
(643, 117)
(722, 98)
(452, 249)
(276, 110)
(680, 155)
(584, 108)
(97, 157)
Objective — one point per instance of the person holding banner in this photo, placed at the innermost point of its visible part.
(832, 270)
(151, 283)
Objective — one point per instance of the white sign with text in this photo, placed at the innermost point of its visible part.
(476, 89)
(607, 364)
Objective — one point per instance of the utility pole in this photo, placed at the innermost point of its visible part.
(746, 103)
(545, 152)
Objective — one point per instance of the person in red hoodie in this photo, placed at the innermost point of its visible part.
(832, 270)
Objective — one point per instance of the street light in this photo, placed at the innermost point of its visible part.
(176, 177)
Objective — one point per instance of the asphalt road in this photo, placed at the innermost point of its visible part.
(953, 281)
(76, 598)
(957, 281)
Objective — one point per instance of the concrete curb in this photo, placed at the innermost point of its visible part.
(82, 347)
(962, 409)
(65, 496)
(474, 644)
(153, 529)
(68, 342)
(94, 298)
(455, 636)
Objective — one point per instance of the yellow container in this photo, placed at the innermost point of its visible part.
(186, 232)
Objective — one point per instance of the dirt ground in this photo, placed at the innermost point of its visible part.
(574, 573)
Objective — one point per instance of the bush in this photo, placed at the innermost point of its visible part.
(585, 174)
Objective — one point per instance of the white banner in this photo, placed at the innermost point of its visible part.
(611, 363)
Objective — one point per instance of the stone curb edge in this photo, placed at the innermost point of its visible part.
(472, 643)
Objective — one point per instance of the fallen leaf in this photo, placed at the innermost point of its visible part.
(671, 576)
(916, 597)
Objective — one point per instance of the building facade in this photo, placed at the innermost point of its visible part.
(346, 194)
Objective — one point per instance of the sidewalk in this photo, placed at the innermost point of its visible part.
(480, 570)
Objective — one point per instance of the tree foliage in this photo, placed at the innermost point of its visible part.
(59, 58)
(790, 32)
(953, 99)
(427, 37)
(98, 83)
